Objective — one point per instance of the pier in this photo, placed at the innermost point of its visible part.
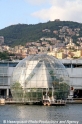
(46, 102)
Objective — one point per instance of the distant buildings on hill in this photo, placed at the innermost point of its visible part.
(61, 46)
(1, 40)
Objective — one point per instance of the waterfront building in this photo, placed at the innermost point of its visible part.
(6, 69)
(74, 68)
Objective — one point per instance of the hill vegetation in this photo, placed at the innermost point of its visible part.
(23, 33)
(5, 55)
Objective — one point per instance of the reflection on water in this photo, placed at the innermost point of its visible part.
(27, 112)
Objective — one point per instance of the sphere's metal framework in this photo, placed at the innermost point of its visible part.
(37, 75)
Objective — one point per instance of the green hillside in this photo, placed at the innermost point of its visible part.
(22, 33)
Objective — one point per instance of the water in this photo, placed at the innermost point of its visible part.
(28, 114)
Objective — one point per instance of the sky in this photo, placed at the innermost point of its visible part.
(38, 11)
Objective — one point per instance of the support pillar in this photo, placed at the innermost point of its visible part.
(7, 93)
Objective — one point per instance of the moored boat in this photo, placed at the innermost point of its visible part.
(47, 102)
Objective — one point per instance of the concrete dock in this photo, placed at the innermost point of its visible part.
(68, 101)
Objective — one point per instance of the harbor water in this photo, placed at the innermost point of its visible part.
(34, 114)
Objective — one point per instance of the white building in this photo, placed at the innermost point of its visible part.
(6, 69)
(74, 68)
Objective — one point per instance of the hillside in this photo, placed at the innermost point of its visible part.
(22, 33)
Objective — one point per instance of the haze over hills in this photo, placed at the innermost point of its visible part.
(23, 33)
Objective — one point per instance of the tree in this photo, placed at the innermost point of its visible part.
(61, 90)
(17, 91)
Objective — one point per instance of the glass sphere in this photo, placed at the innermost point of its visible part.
(39, 73)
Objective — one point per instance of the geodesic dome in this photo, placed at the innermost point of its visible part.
(39, 71)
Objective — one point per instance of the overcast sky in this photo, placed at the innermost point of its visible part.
(36, 11)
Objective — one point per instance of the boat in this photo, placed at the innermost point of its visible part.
(47, 102)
